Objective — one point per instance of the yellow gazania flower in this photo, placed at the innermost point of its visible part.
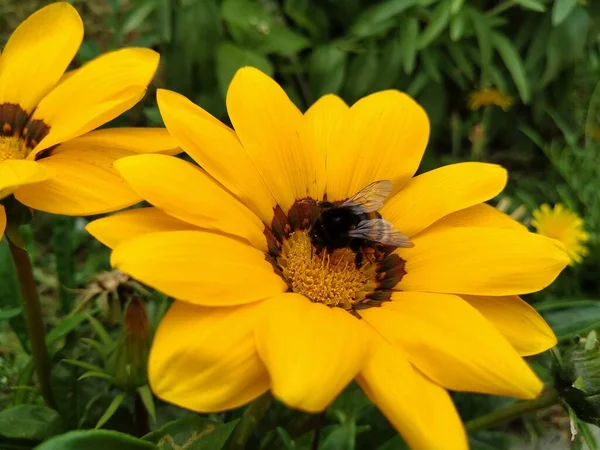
(487, 97)
(48, 160)
(260, 308)
(563, 225)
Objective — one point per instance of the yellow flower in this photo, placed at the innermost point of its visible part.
(487, 97)
(563, 225)
(262, 308)
(49, 159)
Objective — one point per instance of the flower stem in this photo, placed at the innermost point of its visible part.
(252, 415)
(33, 313)
(549, 398)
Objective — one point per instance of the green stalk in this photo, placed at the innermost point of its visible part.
(252, 415)
(499, 416)
(33, 313)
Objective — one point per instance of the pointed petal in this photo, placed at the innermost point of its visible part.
(199, 267)
(275, 136)
(117, 228)
(435, 194)
(37, 54)
(481, 261)
(84, 182)
(216, 148)
(454, 345)
(518, 322)
(204, 359)
(324, 119)
(96, 93)
(186, 192)
(311, 351)
(383, 138)
(137, 140)
(17, 172)
(482, 215)
(421, 411)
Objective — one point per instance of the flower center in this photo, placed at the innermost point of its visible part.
(346, 278)
(12, 147)
(326, 277)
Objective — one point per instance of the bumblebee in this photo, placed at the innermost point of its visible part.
(355, 222)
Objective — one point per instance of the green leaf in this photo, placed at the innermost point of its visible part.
(378, 18)
(456, 6)
(195, 432)
(409, 33)
(307, 15)
(102, 375)
(9, 313)
(561, 9)
(64, 328)
(112, 408)
(534, 5)
(437, 23)
(571, 317)
(327, 70)
(430, 59)
(592, 121)
(95, 440)
(484, 40)
(362, 71)
(457, 26)
(138, 15)
(283, 41)
(514, 64)
(147, 399)
(341, 438)
(84, 365)
(100, 331)
(29, 422)
(63, 382)
(230, 58)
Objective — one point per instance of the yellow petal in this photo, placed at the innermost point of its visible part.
(84, 182)
(2, 221)
(518, 322)
(275, 136)
(199, 267)
(17, 172)
(216, 148)
(117, 228)
(324, 119)
(481, 261)
(37, 54)
(454, 345)
(186, 192)
(95, 94)
(435, 194)
(311, 351)
(204, 359)
(137, 140)
(421, 411)
(481, 215)
(383, 138)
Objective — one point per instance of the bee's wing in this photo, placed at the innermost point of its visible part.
(382, 231)
(370, 198)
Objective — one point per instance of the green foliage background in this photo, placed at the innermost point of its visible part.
(544, 54)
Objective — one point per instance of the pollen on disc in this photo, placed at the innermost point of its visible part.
(331, 278)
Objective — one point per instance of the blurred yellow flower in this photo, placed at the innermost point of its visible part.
(49, 159)
(487, 97)
(563, 225)
(261, 307)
